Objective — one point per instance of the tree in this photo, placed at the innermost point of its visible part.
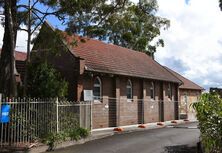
(45, 82)
(17, 13)
(133, 26)
(7, 60)
(220, 4)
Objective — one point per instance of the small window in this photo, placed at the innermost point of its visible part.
(129, 91)
(97, 89)
(152, 90)
(169, 91)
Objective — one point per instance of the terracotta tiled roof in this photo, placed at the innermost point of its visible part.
(19, 56)
(108, 58)
(187, 84)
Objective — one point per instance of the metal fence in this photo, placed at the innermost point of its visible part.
(113, 112)
(32, 119)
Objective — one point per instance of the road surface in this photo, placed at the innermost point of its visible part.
(180, 139)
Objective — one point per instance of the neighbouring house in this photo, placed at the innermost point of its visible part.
(128, 87)
(189, 92)
(20, 58)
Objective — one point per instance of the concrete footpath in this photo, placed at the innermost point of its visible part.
(105, 132)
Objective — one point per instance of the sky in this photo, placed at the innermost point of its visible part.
(193, 43)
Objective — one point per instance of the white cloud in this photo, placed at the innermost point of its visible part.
(194, 38)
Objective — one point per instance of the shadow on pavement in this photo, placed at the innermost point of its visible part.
(180, 149)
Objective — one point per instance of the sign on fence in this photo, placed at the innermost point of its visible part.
(88, 95)
(4, 116)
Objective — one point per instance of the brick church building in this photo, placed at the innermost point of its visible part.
(128, 87)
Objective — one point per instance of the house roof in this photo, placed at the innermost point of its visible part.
(109, 58)
(19, 56)
(187, 84)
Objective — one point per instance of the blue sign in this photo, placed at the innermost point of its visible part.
(4, 116)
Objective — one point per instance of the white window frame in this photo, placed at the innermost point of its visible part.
(99, 98)
(129, 85)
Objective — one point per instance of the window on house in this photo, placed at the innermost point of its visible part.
(152, 90)
(129, 91)
(169, 91)
(97, 89)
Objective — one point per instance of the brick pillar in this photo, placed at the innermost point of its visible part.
(144, 105)
(81, 65)
(162, 98)
(177, 102)
(79, 88)
(144, 89)
(117, 86)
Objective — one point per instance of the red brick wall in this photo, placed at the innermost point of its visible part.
(129, 108)
(100, 115)
(169, 103)
(151, 106)
(127, 112)
(100, 109)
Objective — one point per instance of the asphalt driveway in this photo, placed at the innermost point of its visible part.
(180, 139)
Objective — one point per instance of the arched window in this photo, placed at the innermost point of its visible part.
(152, 90)
(169, 91)
(129, 90)
(97, 89)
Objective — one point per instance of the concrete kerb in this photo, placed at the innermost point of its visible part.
(105, 132)
(137, 127)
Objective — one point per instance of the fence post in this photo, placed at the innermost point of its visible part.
(0, 104)
(91, 115)
(142, 111)
(1, 126)
(186, 106)
(57, 115)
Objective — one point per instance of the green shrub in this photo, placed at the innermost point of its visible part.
(83, 132)
(45, 82)
(209, 114)
(52, 139)
(76, 134)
